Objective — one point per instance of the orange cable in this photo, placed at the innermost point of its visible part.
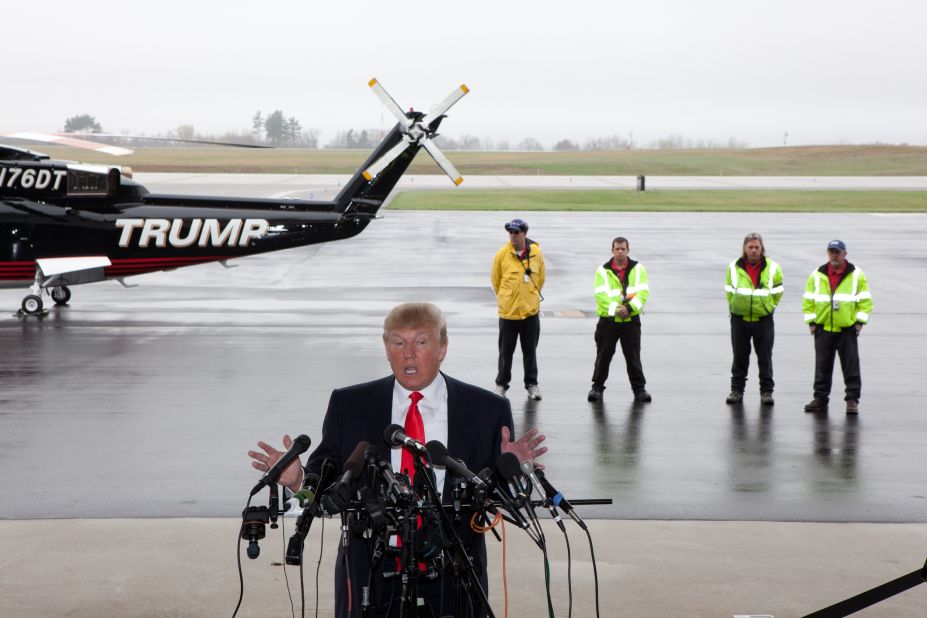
(497, 520)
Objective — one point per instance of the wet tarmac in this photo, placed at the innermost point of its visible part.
(142, 402)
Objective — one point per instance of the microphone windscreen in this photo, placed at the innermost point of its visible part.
(437, 451)
(507, 465)
(302, 443)
(388, 434)
(355, 463)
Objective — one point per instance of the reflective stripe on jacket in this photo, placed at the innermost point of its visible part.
(609, 293)
(517, 298)
(748, 301)
(852, 298)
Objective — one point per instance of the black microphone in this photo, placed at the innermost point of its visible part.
(491, 478)
(558, 500)
(395, 435)
(326, 476)
(300, 446)
(399, 491)
(273, 505)
(439, 454)
(508, 466)
(371, 460)
(313, 485)
(340, 493)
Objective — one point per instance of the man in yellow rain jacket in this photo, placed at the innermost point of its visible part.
(836, 304)
(517, 279)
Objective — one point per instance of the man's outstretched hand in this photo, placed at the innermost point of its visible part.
(526, 448)
(292, 476)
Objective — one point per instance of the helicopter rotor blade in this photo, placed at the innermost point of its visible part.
(390, 104)
(416, 130)
(442, 161)
(64, 140)
(441, 108)
(380, 164)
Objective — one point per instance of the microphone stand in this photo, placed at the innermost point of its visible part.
(463, 564)
(409, 572)
(345, 547)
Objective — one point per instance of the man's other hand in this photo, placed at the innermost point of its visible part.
(292, 476)
(526, 448)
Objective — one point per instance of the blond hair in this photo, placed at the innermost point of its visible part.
(415, 315)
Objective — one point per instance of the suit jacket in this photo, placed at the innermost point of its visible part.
(361, 413)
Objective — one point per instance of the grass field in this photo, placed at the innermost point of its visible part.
(689, 201)
(799, 161)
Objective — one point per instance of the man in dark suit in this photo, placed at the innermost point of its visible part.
(475, 424)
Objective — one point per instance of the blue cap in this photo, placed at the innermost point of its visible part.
(516, 225)
(837, 245)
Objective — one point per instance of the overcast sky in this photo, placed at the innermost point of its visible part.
(824, 71)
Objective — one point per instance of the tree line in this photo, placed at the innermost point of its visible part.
(277, 129)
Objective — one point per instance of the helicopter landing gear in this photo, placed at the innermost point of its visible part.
(61, 295)
(32, 305)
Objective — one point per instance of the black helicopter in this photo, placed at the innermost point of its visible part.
(64, 223)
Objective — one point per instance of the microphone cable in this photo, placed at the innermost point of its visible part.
(595, 571)
(498, 520)
(570, 576)
(318, 566)
(302, 580)
(286, 578)
(543, 545)
(302, 591)
(555, 514)
(347, 562)
(241, 577)
(550, 603)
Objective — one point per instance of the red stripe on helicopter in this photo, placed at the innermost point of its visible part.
(20, 269)
(25, 270)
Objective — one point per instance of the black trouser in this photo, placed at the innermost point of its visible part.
(762, 333)
(608, 333)
(529, 331)
(846, 344)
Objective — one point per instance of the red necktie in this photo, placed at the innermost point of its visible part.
(415, 429)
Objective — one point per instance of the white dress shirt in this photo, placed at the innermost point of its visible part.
(433, 408)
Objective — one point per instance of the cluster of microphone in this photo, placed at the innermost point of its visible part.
(404, 517)
(368, 484)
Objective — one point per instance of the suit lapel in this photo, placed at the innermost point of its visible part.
(381, 409)
(458, 429)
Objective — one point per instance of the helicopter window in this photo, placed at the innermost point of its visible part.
(91, 182)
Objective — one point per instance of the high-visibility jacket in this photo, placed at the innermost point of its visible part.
(748, 301)
(609, 293)
(843, 307)
(518, 281)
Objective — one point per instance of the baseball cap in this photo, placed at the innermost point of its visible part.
(516, 225)
(837, 245)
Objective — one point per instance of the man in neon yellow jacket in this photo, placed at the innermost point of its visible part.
(836, 304)
(517, 277)
(621, 291)
(753, 286)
